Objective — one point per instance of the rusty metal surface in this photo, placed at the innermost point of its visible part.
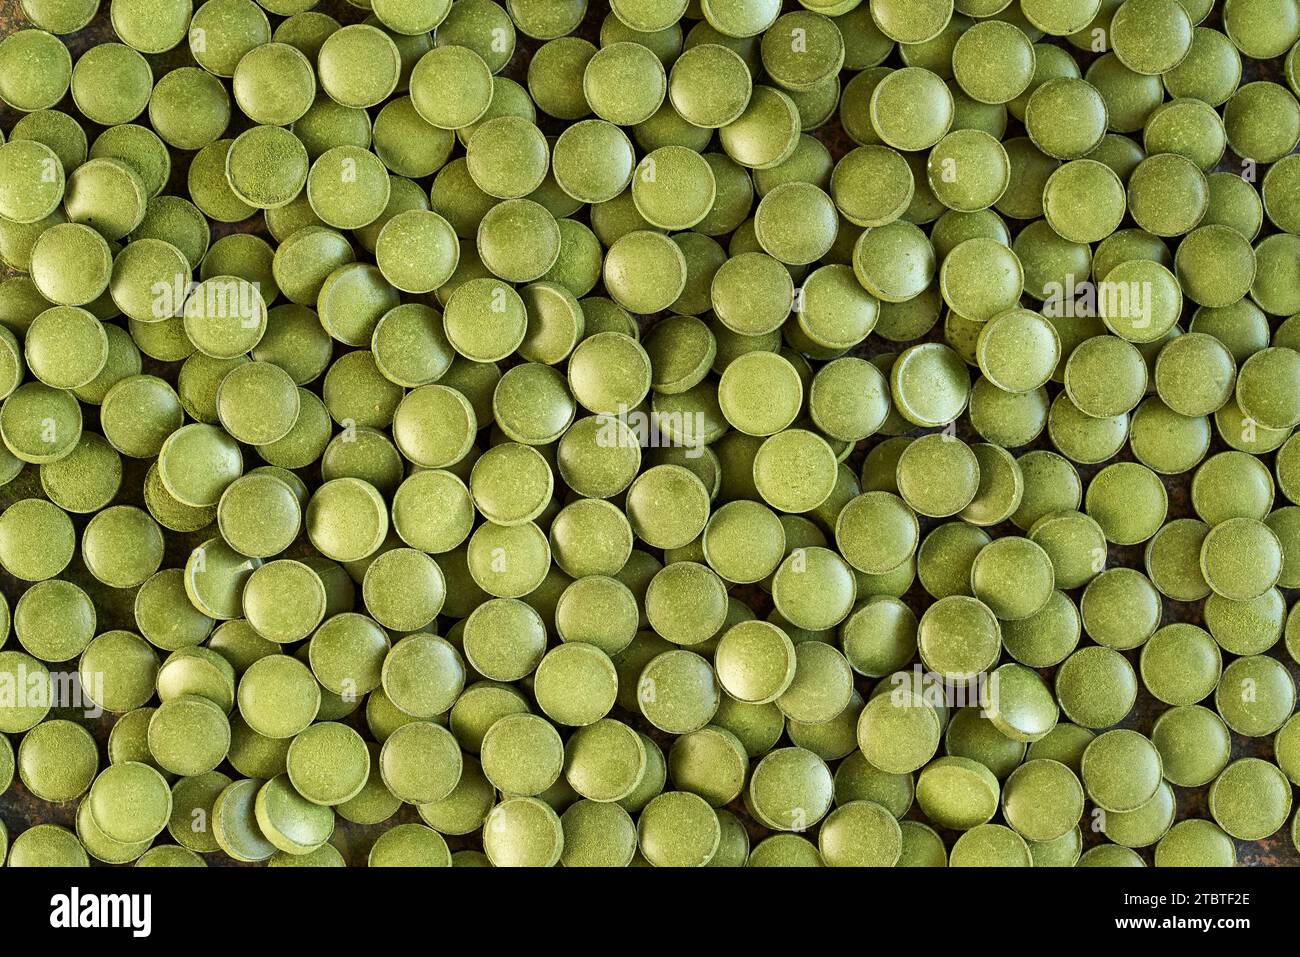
(19, 809)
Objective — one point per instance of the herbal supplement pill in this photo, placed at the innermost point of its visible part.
(36, 67)
(898, 732)
(1241, 558)
(990, 845)
(856, 537)
(993, 61)
(1254, 695)
(71, 264)
(420, 762)
(1042, 800)
(1195, 843)
(274, 84)
(523, 832)
(604, 761)
(710, 85)
(348, 187)
(130, 802)
(1194, 745)
(937, 476)
(189, 109)
(766, 133)
(278, 696)
(957, 792)
(284, 600)
(1250, 799)
(423, 675)
(54, 620)
(57, 761)
(1121, 770)
(686, 603)
(860, 833)
(37, 540)
(47, 845)
(191, 817)
(111, 84)
(287, 820)
(188, 735)
(1180, 664)
(60, 18)
(198, 671)
(597, 835)
(1096, 687)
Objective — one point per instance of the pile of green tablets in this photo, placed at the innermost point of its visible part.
(669, 432)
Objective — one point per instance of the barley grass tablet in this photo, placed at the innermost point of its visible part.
(47, 845)
(37, 539)
(188, 735)
(1195, 843)
(111, 84)
(1194, 745)
(85, 480)
(1083, 201)
(130, 802)
(409, 845)
(957, 792)
(1075, 543)
(1253, 695)
(1096, 687)
(423, 675)
(1250, 799)
(1121, 770)
(54, 620)
(1151, 36)
(37, 69)
(57, 761)
(60, 18)
(753, 413)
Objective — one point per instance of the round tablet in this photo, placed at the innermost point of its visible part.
(1241, 558)
(938, 476)
(994, 61)
(1121, 770)
(288, 820)
(523, 832)
(278, 696)
(130, 802)
(1196, 843)
(898, 731)
(1255, 695)
(71, 263)
(957, 792)
(188, 735)
(423, 675)
(1263, 393)
(57, 761)
(1194, 745)
(451, 87)
(417, 251)
(1096, 687)
(54, 620)
(1250, 799)
(37, 539)
(1180, 664)
(420, 762)
(522, 754)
